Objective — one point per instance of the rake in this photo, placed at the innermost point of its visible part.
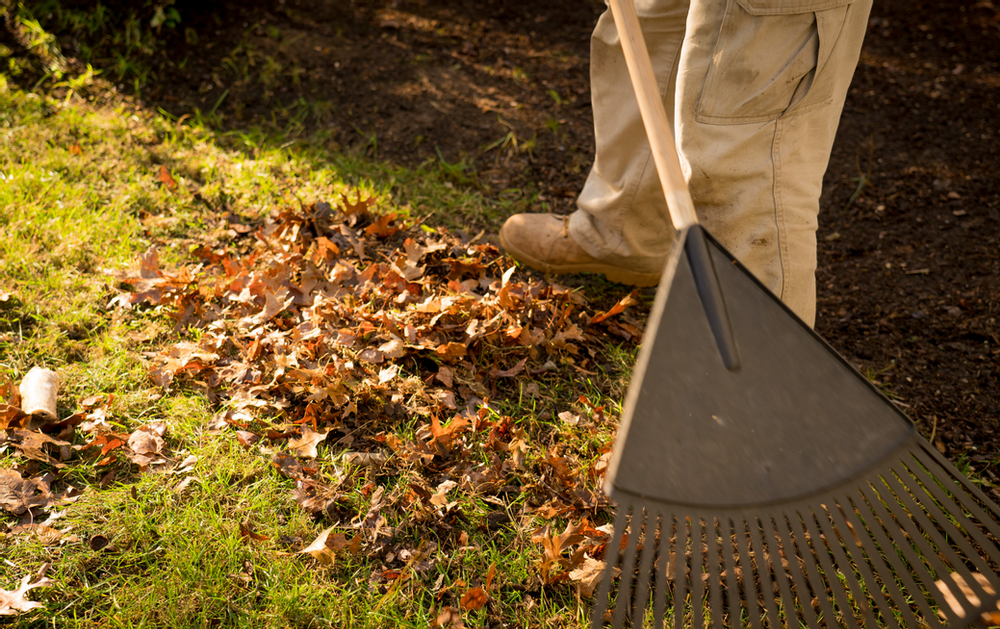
(761, 480)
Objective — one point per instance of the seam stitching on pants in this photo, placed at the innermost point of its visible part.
(779, 208)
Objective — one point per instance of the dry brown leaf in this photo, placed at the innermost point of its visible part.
(448, 617)
(325, 546)
(513, 371)
(440, 497)
(570, 418)
(385, 376)
(371, 355)
(365, 458)
(14, 602)
(381, 228)
(319, 551)
(145, 442)
(445, 435)
(625, 302)
(445, 375)
(247, 532)
(247, 438)
(588, 575)
(33, 445)
(17, 494)
(393, 349)
(489, 576)
(474, 599)
(451, 351)
(288, 465)
(12, 416)
(47, 535)
(305, 446)
(166, 179)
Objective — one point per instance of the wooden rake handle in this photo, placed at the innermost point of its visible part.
(654, 116)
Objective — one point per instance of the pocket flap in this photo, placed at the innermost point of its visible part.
(786, 7)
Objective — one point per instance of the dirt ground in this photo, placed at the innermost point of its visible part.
(909, 270)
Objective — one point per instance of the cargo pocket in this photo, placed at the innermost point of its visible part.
(767, 58)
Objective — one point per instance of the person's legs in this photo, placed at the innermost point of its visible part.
(760, 87)
(621, 228)
(621, 212)
(760, 92)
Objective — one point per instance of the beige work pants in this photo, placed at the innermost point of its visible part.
(755, 89)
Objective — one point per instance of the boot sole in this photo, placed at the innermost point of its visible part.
(611, 272)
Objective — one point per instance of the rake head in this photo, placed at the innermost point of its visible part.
(912, 544)
(780, 489)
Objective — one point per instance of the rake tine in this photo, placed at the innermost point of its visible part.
(950, 555)
(874, 503)
(628, 568)
(764, 559)
(597, 618)
(680, 564)
(834, 539)
(877, 559)
(937, 492)
(823, 555)
(809, 553)
(856, 551)
(714, 577)
(927, 553)
(788, 601)
(801, 580)
(749, 587)
(645, 567)
(732, 586)
(697, 584)
(990, 523)
(663, 550)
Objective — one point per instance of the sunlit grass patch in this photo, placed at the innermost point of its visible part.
(89, 184)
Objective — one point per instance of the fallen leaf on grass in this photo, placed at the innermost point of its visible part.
(247, 532)
(386, 375)
(166, 179)
(393, 349)
(474, 599)
(587, 575)
(625, 302)
(445, 436)
(12, 416)
(33, 445)
(510, 373)
(553, 547)
(371, 355)
(440, 497)
(449, 617)
(247, 438)
(13, 603)
(365, 458)
(305, 446)
(288, 465)
(325, 546)
(570, 418)
(47, 535)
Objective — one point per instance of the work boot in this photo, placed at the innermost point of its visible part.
(543, 242)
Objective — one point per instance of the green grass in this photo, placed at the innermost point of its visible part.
(81, 196)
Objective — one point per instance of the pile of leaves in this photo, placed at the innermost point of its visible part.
(335, 339)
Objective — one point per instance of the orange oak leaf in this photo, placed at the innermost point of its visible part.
(474, 599)
(166, 179)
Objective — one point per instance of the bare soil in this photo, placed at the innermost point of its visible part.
(909, 256)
